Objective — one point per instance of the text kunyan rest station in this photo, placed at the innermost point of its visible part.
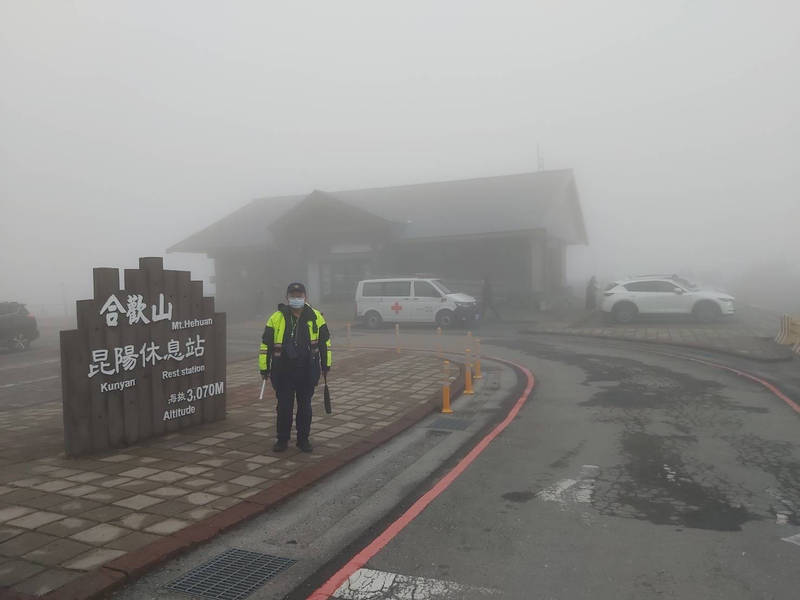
(147, 358)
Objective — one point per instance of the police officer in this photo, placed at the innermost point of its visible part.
(295, 346)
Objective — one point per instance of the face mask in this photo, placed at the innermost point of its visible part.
(297, 302)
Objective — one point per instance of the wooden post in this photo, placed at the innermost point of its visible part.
(106, 283)
(141, 410)
(154, 275)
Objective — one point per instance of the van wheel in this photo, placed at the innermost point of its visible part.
(445, 318)
(373, 320)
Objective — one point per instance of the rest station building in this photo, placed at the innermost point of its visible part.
(515, 228)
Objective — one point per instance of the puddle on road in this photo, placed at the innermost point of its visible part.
(654, 484)
(519, 496)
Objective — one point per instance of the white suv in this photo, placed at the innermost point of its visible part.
(412, 300)
(624, 300)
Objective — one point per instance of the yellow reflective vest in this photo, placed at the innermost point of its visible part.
(319, 338)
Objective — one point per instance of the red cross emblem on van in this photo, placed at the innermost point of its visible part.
(396, 308)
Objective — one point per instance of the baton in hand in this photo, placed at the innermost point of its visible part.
(327, 394)
(263, 383)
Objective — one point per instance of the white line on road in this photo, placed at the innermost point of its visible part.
(572, 490)
(368, 584)
(30, 364)
(795, 539)
(10, 385)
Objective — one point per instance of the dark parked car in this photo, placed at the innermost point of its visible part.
(17, 326)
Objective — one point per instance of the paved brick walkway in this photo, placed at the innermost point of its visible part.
(60, 518)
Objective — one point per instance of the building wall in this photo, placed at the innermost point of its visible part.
(251, 282)
(505, 259)
(526, 270)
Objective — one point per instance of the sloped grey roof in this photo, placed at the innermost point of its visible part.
(546, 199)
(469, 206)
(248, 226)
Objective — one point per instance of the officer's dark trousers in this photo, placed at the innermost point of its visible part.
(288, 385)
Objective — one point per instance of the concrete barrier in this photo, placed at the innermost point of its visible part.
(789, 332)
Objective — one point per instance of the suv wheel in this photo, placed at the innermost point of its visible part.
(625, 312)
(19, 342)
(373, 320)
(445, 318)
(706, 312)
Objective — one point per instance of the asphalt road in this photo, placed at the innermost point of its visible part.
(627, 474)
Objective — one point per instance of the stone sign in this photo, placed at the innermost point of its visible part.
(145, 360)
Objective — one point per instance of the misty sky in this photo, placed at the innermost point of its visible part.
(125, 126)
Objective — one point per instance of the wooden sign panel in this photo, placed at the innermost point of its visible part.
(146, 359)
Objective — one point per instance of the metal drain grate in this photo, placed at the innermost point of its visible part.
(449, 423)
(233, 575)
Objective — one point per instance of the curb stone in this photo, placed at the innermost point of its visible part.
(704, 348)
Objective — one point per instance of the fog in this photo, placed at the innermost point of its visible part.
(126, 126)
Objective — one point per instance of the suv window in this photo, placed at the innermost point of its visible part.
(8, 308)
(372, 289)
(650, 286)
(666, 286)
(397, 288)
(423, 289)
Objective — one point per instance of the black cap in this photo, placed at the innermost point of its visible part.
(295, 287)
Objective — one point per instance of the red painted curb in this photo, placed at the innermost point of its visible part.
(327, 589)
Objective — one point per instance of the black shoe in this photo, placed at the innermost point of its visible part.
(305, 446)
(280, 446)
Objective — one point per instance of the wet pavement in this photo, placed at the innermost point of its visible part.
(626, 475)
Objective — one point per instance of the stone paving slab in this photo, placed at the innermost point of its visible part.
(69, 525)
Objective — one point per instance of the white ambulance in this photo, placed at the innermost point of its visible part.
(412, 300)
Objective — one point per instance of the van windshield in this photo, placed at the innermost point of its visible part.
(441, 286)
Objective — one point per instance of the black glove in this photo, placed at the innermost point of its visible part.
(326, 369)
(265, 374)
